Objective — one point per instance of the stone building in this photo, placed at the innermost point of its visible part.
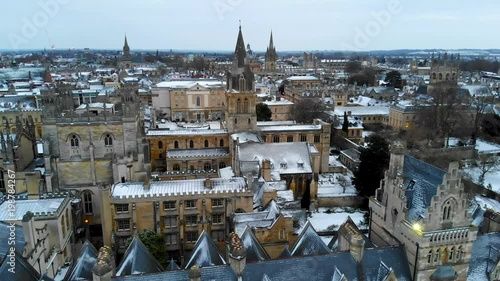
(445, 70)
(271, 57)
(426, 209)
(126, 58)
(96, 146)
(181, 209)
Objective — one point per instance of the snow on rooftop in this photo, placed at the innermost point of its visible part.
(35, 206)
(487, 147)
(96, 105)
(302, 78)
(362, 110)
(333, 184)
(190, 83)
(185, 132)
(323, 221)
(289, 128)
(487, 203)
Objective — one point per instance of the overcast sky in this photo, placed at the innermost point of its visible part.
(213, 24)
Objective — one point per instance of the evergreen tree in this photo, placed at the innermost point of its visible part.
(263, 112)
(345, 125)
(374, 160)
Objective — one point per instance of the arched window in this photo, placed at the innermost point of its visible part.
(447, 76)
(249, 120)
(453, 76)
(160, 145)
(75, 142)
(458, 256)
(434, 76)
(87, 202)
(238, 106)
(108, 140)
(222, 165)
(235, 121)
(437, 255)
(450, 254)
(206, 143)
(198, 101)
(447, 210)
(191, 144)
(176, 144)
(246, 106)
(221, 143)
(191, 168)
(176, 167)
(429, 257)
(440, 76)
(207, 167)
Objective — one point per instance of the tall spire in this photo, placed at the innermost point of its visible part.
(126, 48)
(240, 51)
(271, 44)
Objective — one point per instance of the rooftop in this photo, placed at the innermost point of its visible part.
(36, 206)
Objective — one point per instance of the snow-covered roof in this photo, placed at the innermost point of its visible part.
(190, 83)
(177, 188)
(95, 105)
(47, 206)
(193, 132)
(302, 78)
(245, 137)
(290, 128)
(278, 103)
(362, 110)
(190, 153)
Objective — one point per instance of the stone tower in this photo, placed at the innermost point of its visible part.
(126, 59)
(240, 92)
(445, 70)
(271, 56)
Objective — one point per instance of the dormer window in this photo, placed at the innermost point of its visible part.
(301, 165)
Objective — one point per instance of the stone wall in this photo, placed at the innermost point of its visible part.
(344, 201)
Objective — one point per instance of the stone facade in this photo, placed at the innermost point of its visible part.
(424, 208)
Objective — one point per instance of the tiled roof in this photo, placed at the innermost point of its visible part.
(285, 254)
(195, 153)
(392, 257)
(484, 255)
(205, 253)
(309, 243)
(254, 250)
(421, 181)
(4, 239)
(444, 273)
(173, 188)
(82, 269)
(137, 260)
(23, 270)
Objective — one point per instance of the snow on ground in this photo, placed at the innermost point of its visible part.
(487, 147)
(367, 133)
(333, 160)
(488, 203)
(323, 221)
(285, 195)
(491, 178)
(330, 185)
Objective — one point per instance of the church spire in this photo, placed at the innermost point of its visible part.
(271, 44)
(126, 48)
(240, 50)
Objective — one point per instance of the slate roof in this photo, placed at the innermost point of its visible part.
(392, 257)
(285, 254)
(421, 181)
(207, 274)
(172, 266)
(337, 275)
(483, 256)
(444, 273)
(205, 253)
(82, 269)
(311, 268)
(254, 250)
(5, 234)
(23, 270)
(137, 260)
(309, 243)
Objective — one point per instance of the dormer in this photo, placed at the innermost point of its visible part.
(300, 163)
(283, 164)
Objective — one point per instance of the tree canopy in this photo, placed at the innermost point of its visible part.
(394, 79)
(374, 160)
(263, 112)
(155, 242)
(353, 67)
(306, 110)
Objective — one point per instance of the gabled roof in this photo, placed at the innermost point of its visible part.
(23, 270)
(82, 269)
(421, 182)
(255, 251)
(393, 258)
(444, 273)
(205, 253)
(349, 223)
(285, 254)
(309, 243)
(172, 265)
(137, 260)
(383, 271)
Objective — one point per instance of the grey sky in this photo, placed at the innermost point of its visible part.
(213, 24)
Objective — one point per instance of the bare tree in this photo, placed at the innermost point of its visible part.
(308, 109)
(487, 163)
(344, 182)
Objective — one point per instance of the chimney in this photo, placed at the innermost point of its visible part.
(147, 184)
(208, 183)
(104, 268)
(351, 240)
(237, 255)
(194, 273)
(396, 161)
(29, 231)
(266, 169)
(249, 180)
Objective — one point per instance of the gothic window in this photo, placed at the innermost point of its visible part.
(437, 255)
(206, 143)
(177, 167)
(235, 121)
(429, 257)
(440, 76)
(87, 203)
(207, 167)
(249, 121)
(221, 143)
(453, 76)
(459, 253)
(198, 101)
(160, 145)
(447, 210)
(176, 144)
(447, 76)
(191, 144)
(434, 76)
(75, 141)
(222, 165)
(450, 254)
(108, 140)
(245, 106)
(238, 106)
